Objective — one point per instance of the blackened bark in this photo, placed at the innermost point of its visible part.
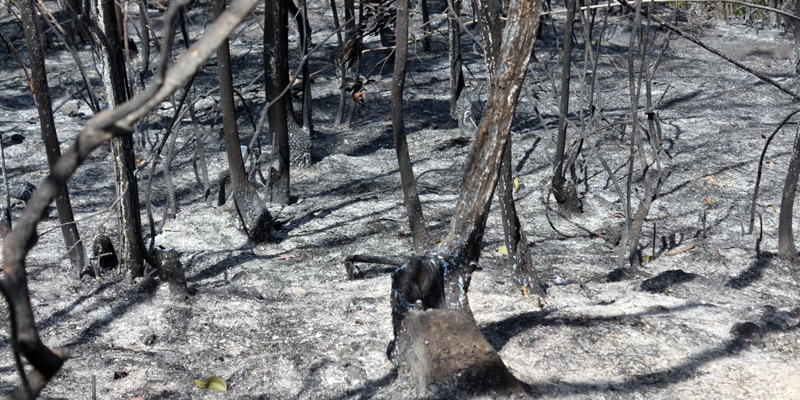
(426, 25)
(797, 38)
(72, 240)
(561, 190)
(357, 48)
(132, 245)
(519, 254)
(454, 55)
(251, 210)
(786, 247)
(342, 65)
(300, 18)
(77, 29)
(171, 208)
(144, 31)
(410, 193)
(440, 279)
(276, 65)
(305, 40)
(491, 30)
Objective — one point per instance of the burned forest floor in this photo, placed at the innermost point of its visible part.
(707, 317)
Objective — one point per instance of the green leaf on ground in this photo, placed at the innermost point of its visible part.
(213, 382)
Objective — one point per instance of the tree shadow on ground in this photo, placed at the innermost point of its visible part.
(88, 333)
(752, 273)
(224, 265)
(60, 314)
(661, 282)
(499, 333)
(745, 334)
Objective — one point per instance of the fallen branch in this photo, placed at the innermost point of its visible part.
(682, 250)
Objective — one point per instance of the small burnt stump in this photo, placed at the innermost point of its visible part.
(170, 270)
(442, 351)
(103, 250)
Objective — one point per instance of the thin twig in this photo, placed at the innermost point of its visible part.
(761, 165)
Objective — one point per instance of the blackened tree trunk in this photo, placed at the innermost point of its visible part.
(561, 189)
(410, 193)
(131, 242)
(519, 253)
(305, 42)
(489, 18)
(77, 29)
(440, 279)
(342, 65)
(426, 25)
(786, 247)
(75, 248)
(276, 65)
(797, 38)
(516, 241)
(357, 48)
(251, 210)
(454, 55)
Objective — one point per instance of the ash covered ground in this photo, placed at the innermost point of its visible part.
(708, 318)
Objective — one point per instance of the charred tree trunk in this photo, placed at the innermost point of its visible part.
(144, 31)
(786, 247)
(250, 208)
(797, 38)
(440, 279)
(519, 254)
(342, 65)
(276, 65)
(516, 241)
(132, 247)
(305, 42)
(562, 190)
(75, 248)
(489, 18)
(454, 55)
(354, 49)
(410, 193)
(426, 25)
(78, 31)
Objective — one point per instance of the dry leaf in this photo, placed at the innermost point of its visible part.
(709, 200)
(286, 256)
(359, 96)
(502, 250)
(710, 179)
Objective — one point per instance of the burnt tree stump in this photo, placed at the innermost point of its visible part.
(443, 351)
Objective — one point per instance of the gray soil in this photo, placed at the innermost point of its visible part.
(706, 319)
